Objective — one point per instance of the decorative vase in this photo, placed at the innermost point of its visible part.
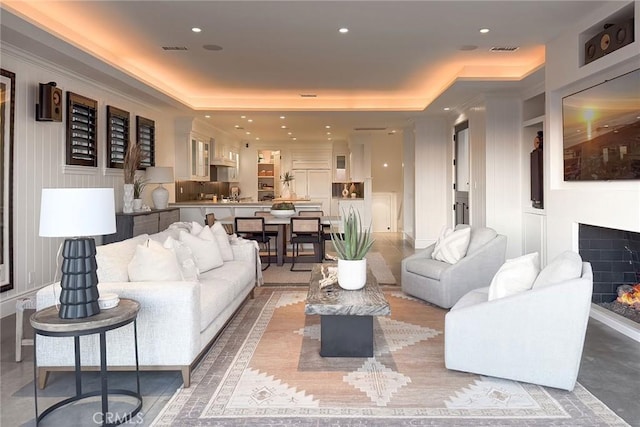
(127, 206)
(352, 274)
(137, 204)
(352, 188)
(345, 191)
(286, 192)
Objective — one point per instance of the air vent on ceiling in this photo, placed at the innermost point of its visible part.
(174, 48)
(308, 95)
(369, 129)
(504, 48)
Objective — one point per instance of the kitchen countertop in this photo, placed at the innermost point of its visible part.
(211, 203)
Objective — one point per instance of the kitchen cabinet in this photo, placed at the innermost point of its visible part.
(341, 171)
(314, 184)
(266, 181)
(198, 157)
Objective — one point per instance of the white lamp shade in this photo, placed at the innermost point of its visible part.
(77, 212)
(159, 174)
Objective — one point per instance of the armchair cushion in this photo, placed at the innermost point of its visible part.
(427, 267)
(568, 265)
(516, 275)
(452, 245)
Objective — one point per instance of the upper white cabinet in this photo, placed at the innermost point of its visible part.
(341, 171)
(224, 155)
(198, 157)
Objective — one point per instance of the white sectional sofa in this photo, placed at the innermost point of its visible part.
(178, 319)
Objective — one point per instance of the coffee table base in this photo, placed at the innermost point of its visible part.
(346, 336)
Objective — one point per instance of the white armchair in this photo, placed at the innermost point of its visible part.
(444, 284)
(535, 336)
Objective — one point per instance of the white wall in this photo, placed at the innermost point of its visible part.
(409, 184)
(503, 187)
(39, 159)
(432, 179)
(614, 204)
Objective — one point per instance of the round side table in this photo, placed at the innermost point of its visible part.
(47, 323)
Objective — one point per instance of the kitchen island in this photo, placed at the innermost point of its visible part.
(196, 210)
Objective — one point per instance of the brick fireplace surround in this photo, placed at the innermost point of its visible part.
(615, 259)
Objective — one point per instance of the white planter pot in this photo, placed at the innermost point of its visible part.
(352, 274)
(137, 204)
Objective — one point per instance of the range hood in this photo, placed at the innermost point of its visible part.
(220, 161)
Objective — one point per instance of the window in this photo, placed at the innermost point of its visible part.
(81, 131)
(117, 136)
(146, 139)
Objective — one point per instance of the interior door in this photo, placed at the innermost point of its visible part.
(461, 173)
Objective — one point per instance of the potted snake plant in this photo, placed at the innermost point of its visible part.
(352, 246)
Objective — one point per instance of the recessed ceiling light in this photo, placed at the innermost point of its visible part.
(343, 30)
(196, 30)
(243, 117)
(250, 120)
(329, 139)
(484, 30)
(288, 133)
(393, 131)
(237, 126)
(207, 116)
(257, 138)
(446, 108)
(282, 117)
(248, 133)
(294, 138)
(384, 165)
(328, 127)
(328, 133)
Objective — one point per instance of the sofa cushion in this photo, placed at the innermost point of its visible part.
(566, 266)
(452, 245)
(219, 287)
(426, 267)
(516, 275)
(479, 237)
(223, 241)
(113, 259)
(476, 296)
(205, 249)
(185, 258)
(152, 262)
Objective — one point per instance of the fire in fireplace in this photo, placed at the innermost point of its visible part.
(629, 295)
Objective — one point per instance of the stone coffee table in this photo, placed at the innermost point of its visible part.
(346, 317)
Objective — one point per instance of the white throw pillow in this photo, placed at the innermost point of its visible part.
(452, 245)
(223, 241)
(185, 258)
(566, 266)
(205, 249)
(113, 259)
(154, 263)
(196, 228)
(516, 275)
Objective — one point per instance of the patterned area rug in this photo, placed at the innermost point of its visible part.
(265, 370)
(282, 275)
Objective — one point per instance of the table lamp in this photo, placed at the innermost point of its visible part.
(159, 175)
(77, 214)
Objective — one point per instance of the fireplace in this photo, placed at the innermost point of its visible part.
(615, 259)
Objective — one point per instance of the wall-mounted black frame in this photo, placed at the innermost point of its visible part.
(7, 123)
(146, 139)
(117, 136)
(82, 131)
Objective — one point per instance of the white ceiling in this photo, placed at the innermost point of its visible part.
(399, 60)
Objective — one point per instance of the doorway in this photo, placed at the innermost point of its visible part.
(461, 173)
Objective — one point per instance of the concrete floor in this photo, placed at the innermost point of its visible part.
(610, 370)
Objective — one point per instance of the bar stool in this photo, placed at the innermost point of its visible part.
(253, 228)
(305, 230)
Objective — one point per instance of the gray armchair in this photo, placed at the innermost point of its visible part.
(444, 284)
